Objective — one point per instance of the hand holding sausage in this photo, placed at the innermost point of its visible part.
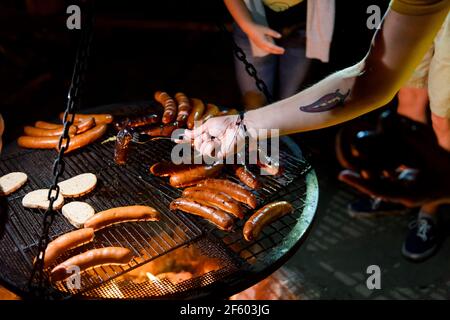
(218, 137)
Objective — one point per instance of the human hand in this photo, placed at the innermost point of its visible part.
(218, 137)
(400, 161)
(263, 36)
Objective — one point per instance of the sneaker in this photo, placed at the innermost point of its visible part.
(422, 240)
(373, 207)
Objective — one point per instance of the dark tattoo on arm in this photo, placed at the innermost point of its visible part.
(327, 102)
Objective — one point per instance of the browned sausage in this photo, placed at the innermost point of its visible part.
(228, 112)
(161, 131)
(198, 108)
(120, 215)
(234, 190)
(90, 259)
(211, 111)
(87, 137)
(103, 118)
(38, 142)
(85, 124)
(269, 166)
(123, 146)
(38, 132)
(246, 177)
(216, 216)
(191, 176)
(265, 216)
(47, 125)
(165, 169)
(169, 105)
(66, 242)
(138, 121)
(214, 198)
(184, 107)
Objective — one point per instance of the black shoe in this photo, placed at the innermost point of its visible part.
(370, 208)
(422, 240)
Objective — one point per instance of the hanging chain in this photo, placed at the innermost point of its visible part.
(38, 282)
(249, 67)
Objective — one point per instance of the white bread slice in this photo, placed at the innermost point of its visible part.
(12, 182)
(78, 186)
(78, 213)
(37, 199)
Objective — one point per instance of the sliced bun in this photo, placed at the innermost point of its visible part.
(78, 213)
(12, 182)
(37, 199)
(78, 186)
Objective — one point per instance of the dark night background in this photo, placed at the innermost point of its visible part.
(140, 47)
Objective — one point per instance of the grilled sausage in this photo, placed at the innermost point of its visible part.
(38, 142)
(269, 166)
(122, 146)
(198, 108)
(216, 216)
(184, 107)
(47, 125)
(246, 177)
(193, 175)
(90, 259)
(211, 111)
(227, 112)
(67, 242)
(161, 131)
(120, 215)
(38, 132)
(169, 105)
(234, 190)
(103, 118)
(265, 216)
(85, 124)
(86, 138)
(81, 126)
(165, 169)
(138, 121)
(219, 200)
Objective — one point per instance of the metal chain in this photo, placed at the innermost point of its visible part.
(38, 282)
(249, 67)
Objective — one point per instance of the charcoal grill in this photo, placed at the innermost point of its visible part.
(242, 264)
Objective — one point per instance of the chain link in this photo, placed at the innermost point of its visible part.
(249, 67)
(38, 283)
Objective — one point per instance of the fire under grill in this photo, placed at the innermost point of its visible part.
(234, 258)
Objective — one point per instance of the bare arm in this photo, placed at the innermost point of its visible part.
(397, 47)
(240, 13)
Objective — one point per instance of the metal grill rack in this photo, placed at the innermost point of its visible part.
(133, 184)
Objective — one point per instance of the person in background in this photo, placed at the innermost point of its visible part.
(280, 37)
(429, 85)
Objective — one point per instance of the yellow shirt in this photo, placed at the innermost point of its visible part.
(419, 7)
(281, 5)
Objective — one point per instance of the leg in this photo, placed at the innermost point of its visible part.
(413, 96)
(424, 239)
(439, 90)
(441, 126)
(265, 66)
(412, 103)
(294, 65)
